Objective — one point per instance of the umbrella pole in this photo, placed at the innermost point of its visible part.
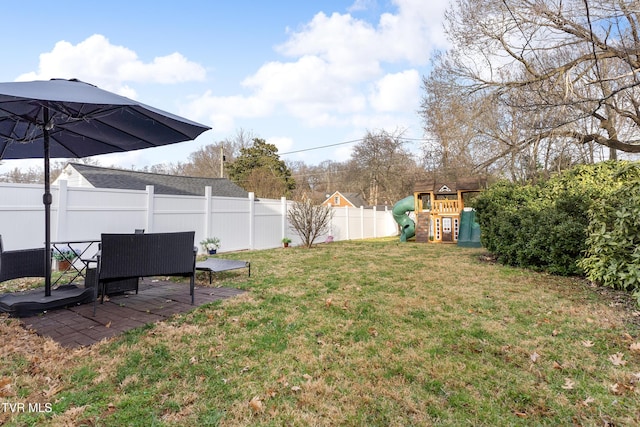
(46, 200)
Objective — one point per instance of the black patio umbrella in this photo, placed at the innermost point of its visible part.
(72, 119)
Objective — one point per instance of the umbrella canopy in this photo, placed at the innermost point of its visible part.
(72, 119)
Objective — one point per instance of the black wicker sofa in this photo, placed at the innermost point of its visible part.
(21, 263)
(130, 256)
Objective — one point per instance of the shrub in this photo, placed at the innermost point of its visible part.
(612, 256)
(544, 226)
(310, 221)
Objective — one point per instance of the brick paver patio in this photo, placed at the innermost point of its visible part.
(76, 326)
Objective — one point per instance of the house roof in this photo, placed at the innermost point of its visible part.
(442, 187)
(101, 177)
(355, 199)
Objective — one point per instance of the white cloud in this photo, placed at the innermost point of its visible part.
(397, 92)
(407, 35)
(221, 111)
(283, 143)
(413, 32)
(337, 58)
(342, 154)
(360, 5)
(97, 61)
(348, 45)
(307, 80)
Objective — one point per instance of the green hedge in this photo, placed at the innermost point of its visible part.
(546, 226)
(612, 255)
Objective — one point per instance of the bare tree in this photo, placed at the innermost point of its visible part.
(565, 72)
(210, 160)
(384, 171)
(309, 220)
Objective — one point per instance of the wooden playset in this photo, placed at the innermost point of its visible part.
(438, 208)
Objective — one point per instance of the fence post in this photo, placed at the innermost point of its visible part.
(361, 222)
(347, 218)
(333, 211)
(375, 221)
(208, 221)
(252, 220)
(150, 207)
(283, 204)
(61, 220)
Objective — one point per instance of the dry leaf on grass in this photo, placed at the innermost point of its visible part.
(619, 389)
(587, 343)
(53, 390)
(615, 388)
(296, 388)
(569, 384)
(5, 387)
(635, 347)
(588, 401)
(534, 357)
(256, 405)
(616, 359)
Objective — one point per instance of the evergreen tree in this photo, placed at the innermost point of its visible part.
(259, 169)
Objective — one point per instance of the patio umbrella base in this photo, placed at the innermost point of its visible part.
(33, 302)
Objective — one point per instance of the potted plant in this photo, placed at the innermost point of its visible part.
(64, 258)
(285, 242)
(210, 244)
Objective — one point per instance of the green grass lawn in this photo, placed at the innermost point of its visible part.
(361, 333)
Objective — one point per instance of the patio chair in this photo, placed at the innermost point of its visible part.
(21, 263)
(127, 257)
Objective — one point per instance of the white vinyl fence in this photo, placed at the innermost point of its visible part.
(84, 213)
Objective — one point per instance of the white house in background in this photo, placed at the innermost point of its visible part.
(81, 175)
(338, 199)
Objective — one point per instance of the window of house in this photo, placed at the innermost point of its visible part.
(336, 200)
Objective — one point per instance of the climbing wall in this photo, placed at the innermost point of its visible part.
(422, 227)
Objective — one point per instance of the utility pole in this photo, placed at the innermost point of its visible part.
(221, 160)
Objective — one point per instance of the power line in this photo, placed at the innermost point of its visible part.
(347, 142)
(322, 146)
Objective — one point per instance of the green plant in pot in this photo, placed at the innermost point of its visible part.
(211, 245)
(286, 241)
(64, 258)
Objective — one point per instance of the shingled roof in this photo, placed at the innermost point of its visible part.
(462, 184)
(100, 177)
(355, 199)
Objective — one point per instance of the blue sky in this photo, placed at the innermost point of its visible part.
(300, 74)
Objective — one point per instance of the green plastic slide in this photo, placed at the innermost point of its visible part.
(407, 225)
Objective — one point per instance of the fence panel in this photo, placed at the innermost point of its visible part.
(79, 213)
(88, 212)
(230, 221)
(268, 224)
(21, 216)
(178, 213)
